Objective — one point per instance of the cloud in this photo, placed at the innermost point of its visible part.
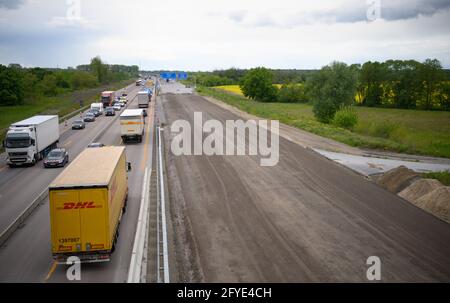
(11, 4)
(395, 10)
(350, 11)
(64, 22)
(237, 16)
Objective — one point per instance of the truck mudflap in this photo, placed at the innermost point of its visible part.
(92, 257)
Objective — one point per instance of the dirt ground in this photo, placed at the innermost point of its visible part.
(306, 219)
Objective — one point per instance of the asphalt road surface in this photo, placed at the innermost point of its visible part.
(307, 219)
(26, 256)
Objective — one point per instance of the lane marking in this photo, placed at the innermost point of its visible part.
(147, 135)
(51, 271)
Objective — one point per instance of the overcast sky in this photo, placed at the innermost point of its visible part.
(216, 34)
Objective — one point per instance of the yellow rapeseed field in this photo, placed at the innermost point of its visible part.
(236, 89)
(231, 88)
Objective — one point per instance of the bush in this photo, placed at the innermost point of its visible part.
(257, 85)
(334, 85)
(385, 129)
(346, 117)
(290, 93)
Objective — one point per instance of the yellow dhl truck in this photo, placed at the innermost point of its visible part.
(87, 201)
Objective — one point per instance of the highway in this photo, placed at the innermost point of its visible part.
(26, 256)
(306, 219)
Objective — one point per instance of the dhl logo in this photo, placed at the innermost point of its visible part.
(79, 205)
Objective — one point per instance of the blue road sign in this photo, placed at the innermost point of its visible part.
(182, 76)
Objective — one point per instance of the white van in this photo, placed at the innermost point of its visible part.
(132, 125)
(98, 106)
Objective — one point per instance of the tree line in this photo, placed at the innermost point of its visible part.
(404, 84)
(18, 84)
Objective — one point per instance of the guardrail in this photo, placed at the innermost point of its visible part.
(162, 207)
(4, 236)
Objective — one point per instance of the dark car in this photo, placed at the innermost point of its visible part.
(124, 94)
(109, 111)
(89, 117)
(78, 124)
(96, 144)
(94, 111)
(58, 157)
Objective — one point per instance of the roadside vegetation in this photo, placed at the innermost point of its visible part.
(443, 177)
(29, 91)
(401, 106)
(398, 130)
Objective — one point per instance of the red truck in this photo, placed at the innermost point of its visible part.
(107, 98)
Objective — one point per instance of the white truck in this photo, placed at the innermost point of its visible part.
(143, 99)
(132, 124)
(29, 140)
(98, 106)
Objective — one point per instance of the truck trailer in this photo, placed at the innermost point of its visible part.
(132, 123)
(143, 99)
(87, 201)
(30, 140)
(108, 98)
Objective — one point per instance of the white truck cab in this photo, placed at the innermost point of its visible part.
(29, 140)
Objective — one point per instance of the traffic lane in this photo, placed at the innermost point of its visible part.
(117, 269)
(305, 219)
(22, 185)
(6, 173)
(130, 89)
(33, 240)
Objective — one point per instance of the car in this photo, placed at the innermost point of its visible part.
(117, 106)
(123, 99)
(95, 144)
(124, 94)
(110, 111)
(78, 124)
(57, 157)
(122, 104)
(89, 117)
(96, 112)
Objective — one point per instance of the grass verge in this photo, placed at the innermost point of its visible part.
(405, 131)
(59, 105)
(442, 176)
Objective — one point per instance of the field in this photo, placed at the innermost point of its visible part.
(59, 105)
(406, 131)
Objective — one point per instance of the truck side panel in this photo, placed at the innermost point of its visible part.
(118, 189)
(94, 219)
(47, 133)
(65, 220)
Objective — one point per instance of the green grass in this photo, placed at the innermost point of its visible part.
(60, 105)
(405, 131)
(443, 176)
